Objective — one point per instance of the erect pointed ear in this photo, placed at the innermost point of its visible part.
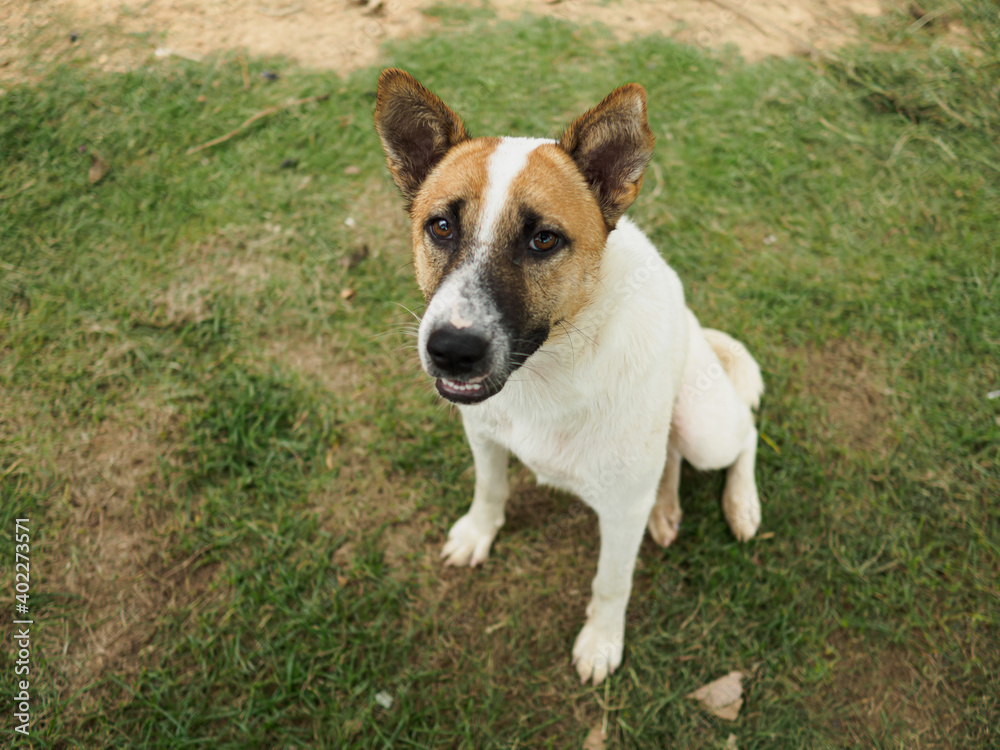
(416, 129)
(611, 145)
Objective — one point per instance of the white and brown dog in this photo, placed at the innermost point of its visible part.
(563, 336)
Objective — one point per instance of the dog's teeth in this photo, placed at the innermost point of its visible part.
(461, 386)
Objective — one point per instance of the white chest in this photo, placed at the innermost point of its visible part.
(603, 442)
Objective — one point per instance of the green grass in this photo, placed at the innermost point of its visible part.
(194, 357)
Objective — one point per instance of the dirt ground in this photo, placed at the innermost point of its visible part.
(344, 35)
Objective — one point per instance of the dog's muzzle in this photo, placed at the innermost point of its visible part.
(460, 359)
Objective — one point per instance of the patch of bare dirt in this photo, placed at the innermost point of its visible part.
(229, 262)
(111, 557)
(896, 694)
(346, 35)
(321, 358)
(850, 382)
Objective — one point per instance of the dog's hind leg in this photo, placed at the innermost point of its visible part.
(665, 518)
(712, 421)
(740, 502)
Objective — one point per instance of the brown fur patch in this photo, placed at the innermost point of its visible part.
(551, 187)
(612, 145)
(460, 178)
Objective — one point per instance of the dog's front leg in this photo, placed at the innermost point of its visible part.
(470, 538)
(598, 648)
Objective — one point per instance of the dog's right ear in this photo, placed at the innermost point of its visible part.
(417, 129)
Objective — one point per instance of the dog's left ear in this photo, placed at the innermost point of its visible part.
(612, 145)
(417, 129)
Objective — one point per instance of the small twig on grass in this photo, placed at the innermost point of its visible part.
(897, 148)
(278, 12)
(12, 193)
(949, 111)
(260, 115)
(929, 18)
(496, 626)
(687, 620)
(759, 23)
(775, 448)
(843, 134)
(10, 469)
(185, 563)
(742, 14)
(907, 137)
(245, 70)
(862, 568)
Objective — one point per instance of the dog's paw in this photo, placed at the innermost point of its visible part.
(664, 525)
(742, 512)
(597, 652)
(467, 543)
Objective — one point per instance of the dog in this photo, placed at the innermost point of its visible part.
(563, 336)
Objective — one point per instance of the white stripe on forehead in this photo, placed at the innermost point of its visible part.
(505, 164)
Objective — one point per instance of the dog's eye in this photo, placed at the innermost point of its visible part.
(441, 228)
(544, 242)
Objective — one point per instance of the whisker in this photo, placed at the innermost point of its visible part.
(572, 349)
(405, 347)
(580, 331)
(406, 331)
(415, 316)
(404, 265)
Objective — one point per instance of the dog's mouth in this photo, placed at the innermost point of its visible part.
(472, 391)
(470, 367)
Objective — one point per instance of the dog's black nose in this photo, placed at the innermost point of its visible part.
(457, 351)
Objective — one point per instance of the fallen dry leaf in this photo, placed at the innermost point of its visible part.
(722, 697)
(596, 738)
(347, 294)
(352, 170)
(98, 168)
(731, 742)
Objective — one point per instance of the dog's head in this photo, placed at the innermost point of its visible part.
(507, 233)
